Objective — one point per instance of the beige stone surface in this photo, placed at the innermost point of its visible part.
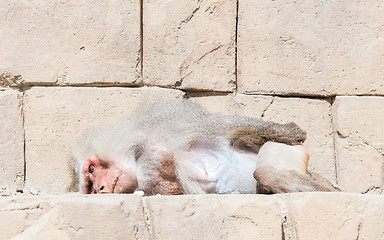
(190, 44)
(372, 225)
(310, 47)
(11, 142)
(239, 104)
(73, 217)
(335, 215)
(284, 216)
(359, 142)
(214, 217)
(55, 117)
(71, 42)
(312, 115)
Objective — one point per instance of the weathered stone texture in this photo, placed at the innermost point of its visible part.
(190, 44)
(239, 104)
(312, 115)
(359, 142)
(55, 118)
(310, 47)
(335, 216)
(268, 217)
(73, 217)
(372, 221)
(284, 48)
(11, 143)
(214, 217)
(69, 42)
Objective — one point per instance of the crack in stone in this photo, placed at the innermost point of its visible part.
(341, 135)
(184, 66)
(147, 215)
(360, 225)
(22, 112)
(209, 52)
(358, 231)
(236, 50)
(380, 150)
(266, 109)
(187, 19)
(332, 108)
(76, 229)
(140, 60)
(376, 190)
(244, 218)
(136, 231)
(288, 228)
(98, 41)
(344, 222)
(180, 81)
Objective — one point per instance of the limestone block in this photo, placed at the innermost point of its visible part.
(289, 47)
(11, 143)
(335, 215)
(73, 217)
(359, 142)
(214, 217)
(372, 225)
(71, 42)
(56, 117)
(239, 104)
(281, 216)
(312, 115)
(190, 44)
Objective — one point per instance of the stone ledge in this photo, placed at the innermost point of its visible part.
(285, 216)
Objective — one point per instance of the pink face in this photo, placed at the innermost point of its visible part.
(105, 177)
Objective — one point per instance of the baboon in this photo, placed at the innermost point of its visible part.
(176, 148)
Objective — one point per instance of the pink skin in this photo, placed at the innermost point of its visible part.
(100, 177)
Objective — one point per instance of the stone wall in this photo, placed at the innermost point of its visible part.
(66, 65)
(268, 217)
